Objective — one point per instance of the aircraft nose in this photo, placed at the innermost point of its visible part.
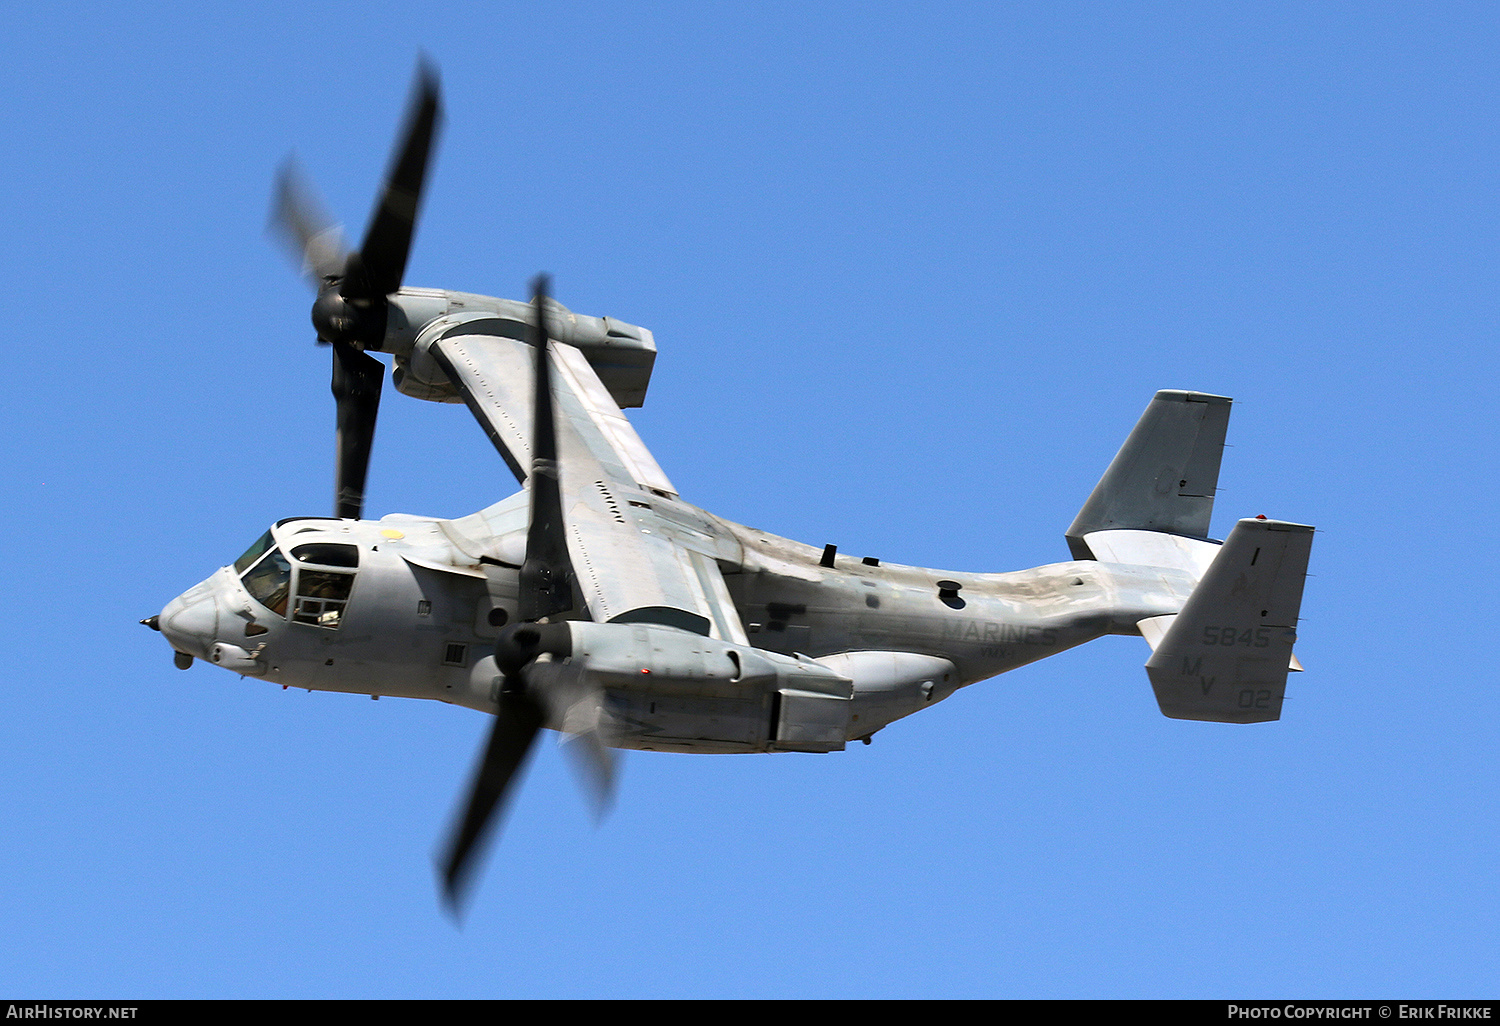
(191, 621)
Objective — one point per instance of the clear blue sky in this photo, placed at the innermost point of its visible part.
(914, 271)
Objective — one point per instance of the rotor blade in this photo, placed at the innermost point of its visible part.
(572, 705)
(388, 239)
(516, 725)
(547, 574)
(312, 238)
(544, 425)
(357, 380)
(594, 763)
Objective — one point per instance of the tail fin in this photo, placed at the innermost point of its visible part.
(1225, 656)
(1164, 476)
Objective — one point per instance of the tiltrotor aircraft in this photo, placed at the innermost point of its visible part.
(597, 603)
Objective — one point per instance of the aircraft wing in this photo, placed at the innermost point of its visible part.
(639, 554)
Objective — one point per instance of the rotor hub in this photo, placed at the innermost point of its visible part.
(357, 322)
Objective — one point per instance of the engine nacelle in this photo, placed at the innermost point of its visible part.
(623, 355)
(808, 704)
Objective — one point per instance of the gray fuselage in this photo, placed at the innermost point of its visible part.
(413, 617)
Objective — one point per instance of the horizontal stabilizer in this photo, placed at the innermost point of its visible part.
(1152, 548)
(1164, 476)
(1225, 656)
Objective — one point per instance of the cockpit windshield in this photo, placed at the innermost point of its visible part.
(269, 582)
(253, 553)
(324, 574)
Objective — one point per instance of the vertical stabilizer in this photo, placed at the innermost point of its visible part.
(1164, 476)
(1225, 656)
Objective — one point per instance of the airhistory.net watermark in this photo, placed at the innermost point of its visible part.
(42, 1010)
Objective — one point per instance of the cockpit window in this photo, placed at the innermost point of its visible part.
(322, 595)
(269, 581)
(253, 553)
(327, 554)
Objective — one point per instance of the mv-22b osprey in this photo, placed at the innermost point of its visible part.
(597, 603)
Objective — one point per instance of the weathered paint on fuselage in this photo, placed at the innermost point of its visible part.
(996, 622)
(417, 624)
